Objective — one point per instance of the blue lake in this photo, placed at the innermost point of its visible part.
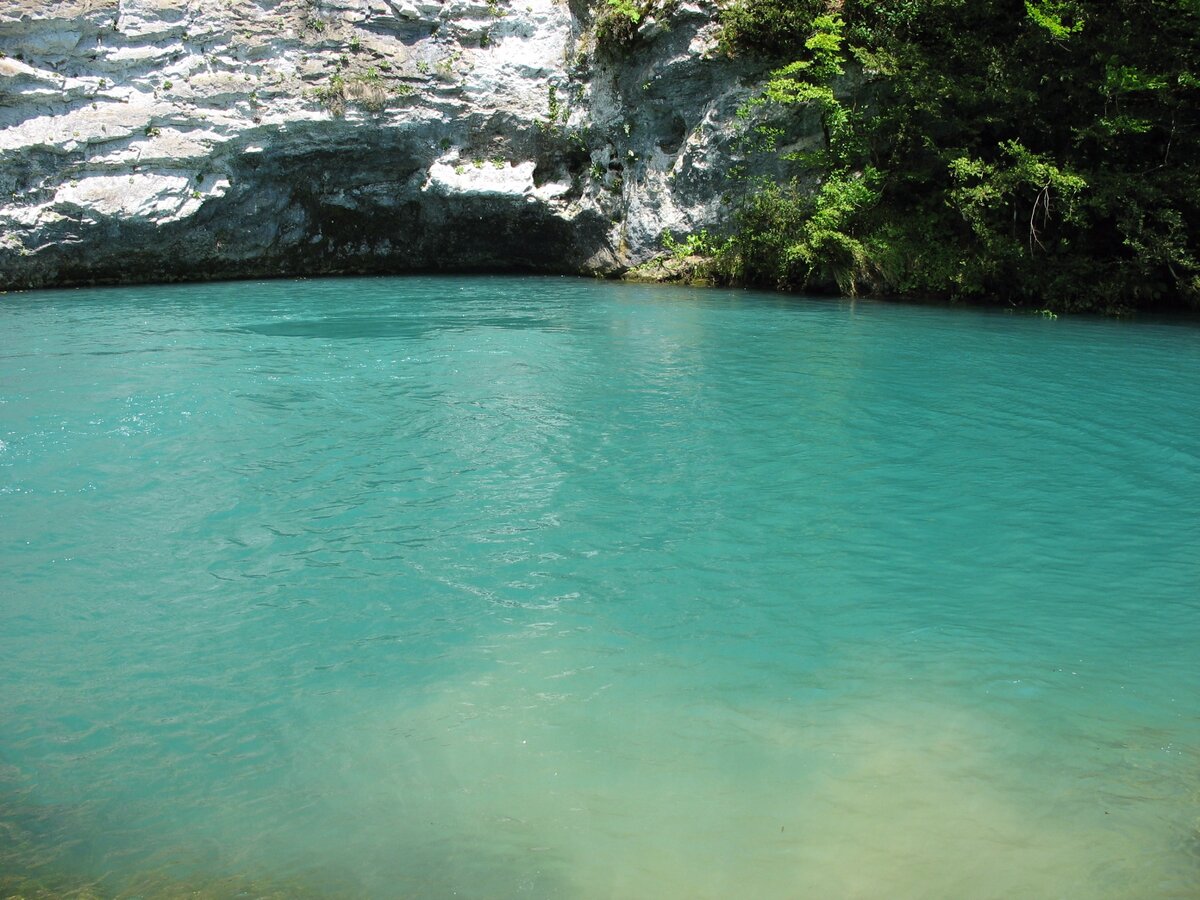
(514, 587)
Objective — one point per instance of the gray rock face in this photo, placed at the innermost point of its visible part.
(179, 139)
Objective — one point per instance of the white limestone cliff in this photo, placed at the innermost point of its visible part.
(178, 139)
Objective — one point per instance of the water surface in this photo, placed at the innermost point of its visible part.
(504, 587)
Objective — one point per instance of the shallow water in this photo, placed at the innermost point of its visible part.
(503, 587)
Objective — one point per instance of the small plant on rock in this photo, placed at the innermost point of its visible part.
(618, 22)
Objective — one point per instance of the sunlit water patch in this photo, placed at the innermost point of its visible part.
(552, 588)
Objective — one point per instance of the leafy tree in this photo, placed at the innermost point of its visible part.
(1043, 152)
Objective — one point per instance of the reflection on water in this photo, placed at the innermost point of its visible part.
(543, 587)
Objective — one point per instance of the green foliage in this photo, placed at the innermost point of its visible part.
(770, 27)
(698, 243)
(794, 237)
(1047, 155)
(618, 21)
(1056, 16)
(985, 192)
(806, 83)
(557, 112)
(625, 9)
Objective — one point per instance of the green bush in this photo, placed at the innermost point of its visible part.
(1044, 153)
(617, 23)
(770, 27)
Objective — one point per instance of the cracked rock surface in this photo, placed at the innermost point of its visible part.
(146, 140)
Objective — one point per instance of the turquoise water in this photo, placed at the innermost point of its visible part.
(503, 587)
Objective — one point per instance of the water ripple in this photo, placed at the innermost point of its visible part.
(546, 587)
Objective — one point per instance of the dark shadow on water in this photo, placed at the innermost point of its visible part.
(377, 327)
